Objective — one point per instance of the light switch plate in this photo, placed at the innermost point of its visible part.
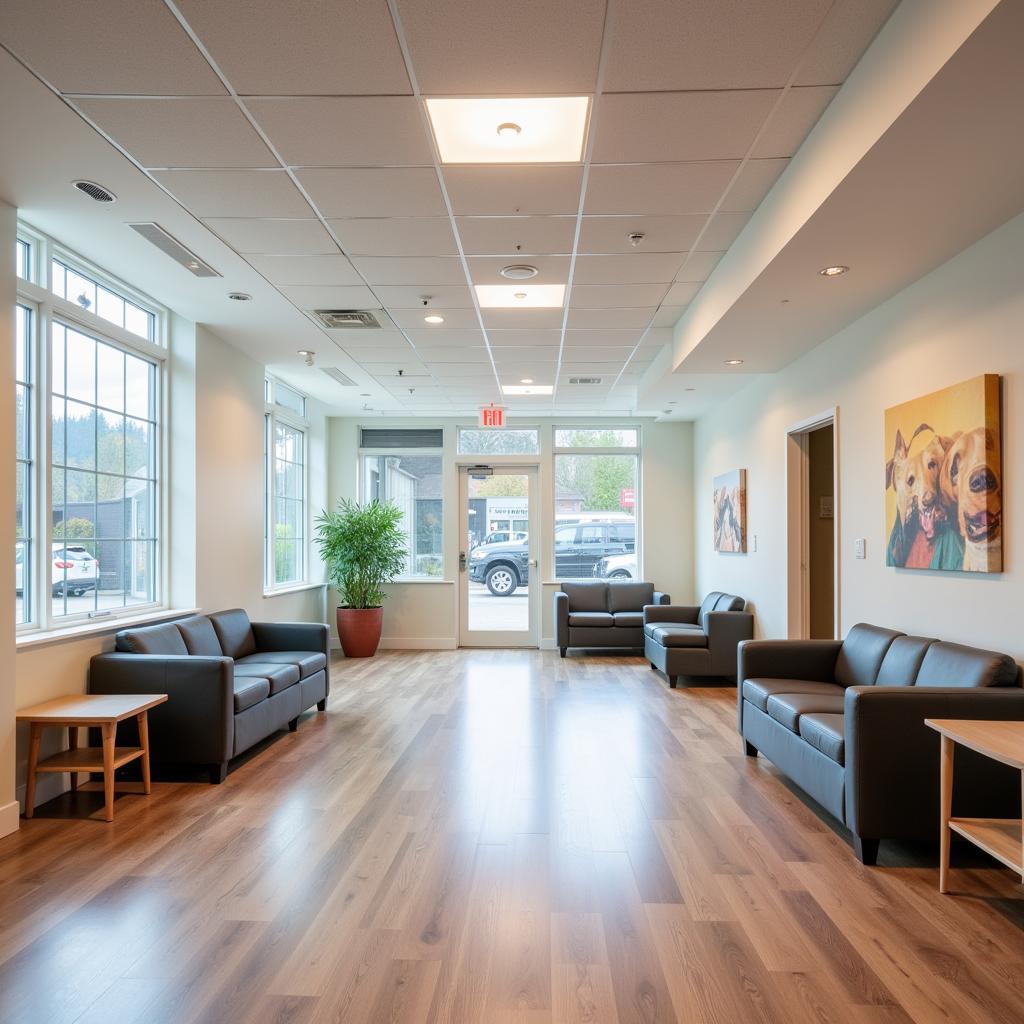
(859, 548)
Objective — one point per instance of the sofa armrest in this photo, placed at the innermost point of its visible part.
(291, 636)
(660, 598)
(788, 659)
(196, 723)
(682, 613)
(726, 631)
(561, 613)
(892, 758)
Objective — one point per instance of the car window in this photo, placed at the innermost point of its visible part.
(592, 534)
(623, 533)
(565, 535)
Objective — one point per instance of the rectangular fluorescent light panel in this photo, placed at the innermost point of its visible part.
(534, 129)
(520, 296)
(527, 389)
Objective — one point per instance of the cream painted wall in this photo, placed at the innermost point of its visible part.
(425, 614)
(961, 320)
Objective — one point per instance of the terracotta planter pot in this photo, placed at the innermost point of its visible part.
(359, 631)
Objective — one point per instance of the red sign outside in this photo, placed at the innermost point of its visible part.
(627, 497)
(492, 416)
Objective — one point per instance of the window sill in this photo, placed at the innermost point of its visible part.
(42, 638)
(296, 588)
(419, 581)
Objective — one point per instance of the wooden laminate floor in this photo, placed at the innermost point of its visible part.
(491, 837)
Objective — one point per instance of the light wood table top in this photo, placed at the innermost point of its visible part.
(89, 708)
(1002, 741)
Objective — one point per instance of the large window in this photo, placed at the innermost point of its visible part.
(511, 441)
(285, 440)
(596, 497)
(88, 386)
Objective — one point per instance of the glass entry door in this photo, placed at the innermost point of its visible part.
(499, 586)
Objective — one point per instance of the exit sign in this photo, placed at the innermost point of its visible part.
(492, 416)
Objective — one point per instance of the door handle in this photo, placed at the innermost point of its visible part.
(462, 561)
(533, 562)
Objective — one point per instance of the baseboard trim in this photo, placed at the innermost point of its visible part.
(10, 818)
(548, 644)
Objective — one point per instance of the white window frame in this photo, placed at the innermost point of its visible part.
(466, 428)
(272, 415)
(48, 308)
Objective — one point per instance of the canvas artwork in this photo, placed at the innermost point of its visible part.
(943, 479)
(730, 496)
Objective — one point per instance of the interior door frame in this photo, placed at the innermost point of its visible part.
(798, 607)
(530, 638)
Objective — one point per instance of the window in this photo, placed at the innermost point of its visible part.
(107, 304)
(412, 481)
(516, 441)
(285, 534)
(23, 259)
(596, 491)
(24, 527)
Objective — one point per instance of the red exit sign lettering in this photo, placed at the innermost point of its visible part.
(492, 416)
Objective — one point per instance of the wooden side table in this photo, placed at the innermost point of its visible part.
(1002, 838)
(88, 709)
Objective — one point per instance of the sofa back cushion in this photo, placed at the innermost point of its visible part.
(162, 639)
(729, 603)
(234, 631)
(200, 637)
(629, 596)
(587, 597)
(948, 664)
(861, 655)
(707, 605)
(903, 661)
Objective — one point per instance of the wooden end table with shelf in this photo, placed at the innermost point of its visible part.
(91, 710)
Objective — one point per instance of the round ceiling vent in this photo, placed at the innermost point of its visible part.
(240, 296)
(94, 191)
(519, 272)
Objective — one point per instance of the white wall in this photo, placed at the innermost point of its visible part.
(961, 320)
(424, 614)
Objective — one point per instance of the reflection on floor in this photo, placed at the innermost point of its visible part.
(487, 837)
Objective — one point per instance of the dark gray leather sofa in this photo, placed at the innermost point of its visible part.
(684, 640)
(603, 614)
(230, 682)
(845, 721)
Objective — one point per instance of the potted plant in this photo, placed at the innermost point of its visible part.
(364, 548)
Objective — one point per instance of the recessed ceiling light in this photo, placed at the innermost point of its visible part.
(507, 130)
(240, 296)
(833, 271)
(689, 389)
(526, 380)
(305, 352)
(433, 318)
(506, 296)
(530, 389)
(365, 394)
(733, 362)
(519, 272)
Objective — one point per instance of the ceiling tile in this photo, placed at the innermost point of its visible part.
(678, 126)
(285, 49)
(681, 294)
(507, 236)
(846, 33)
(504, 190)
(661, 234)
(374, 192)
(611, 319)
(658, 188)
(607, 296)
(635, 268)
(345, 131)
(722, 231)
(551, 269)
(796, 115)
(427, 339)
(420, 271)
(396, 236)
(522, 319)
(487, 47)
(524, 339)
(456, 354)
(411, 297)
(394, 353)
(307, 270)
(236, 193)
(455, 319)
(195, 131)
(730, 44)
(272, 236)
(698, 266)
(668, 315)
(752, 185)
(330, 297)
(602, 339)
(133, 49)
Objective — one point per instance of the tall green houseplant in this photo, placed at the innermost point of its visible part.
(364, 547)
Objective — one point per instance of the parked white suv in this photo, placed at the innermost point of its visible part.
(73, 570)
(616, 567)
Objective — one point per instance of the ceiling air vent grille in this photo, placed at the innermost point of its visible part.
(347, 319)
(396, 437)
(336, 375)
(584, 380)
(94, 191)
(170, 246)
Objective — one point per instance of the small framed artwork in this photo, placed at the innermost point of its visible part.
(730, 521)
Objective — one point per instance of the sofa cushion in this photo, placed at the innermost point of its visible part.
(948, 664)
(650, 627)
(280, 677)
(200, 637)
(591, 619)
(586, 597)
(707, 605)
(757, 691)
(903, 660)
(729, 603)
(629, 596)
(861, 654)
(234, 633)
(162, 639)
(824, 732)
(307, 662)
(631, 620)
(250, 690)
(787, 708)
(677, 636)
